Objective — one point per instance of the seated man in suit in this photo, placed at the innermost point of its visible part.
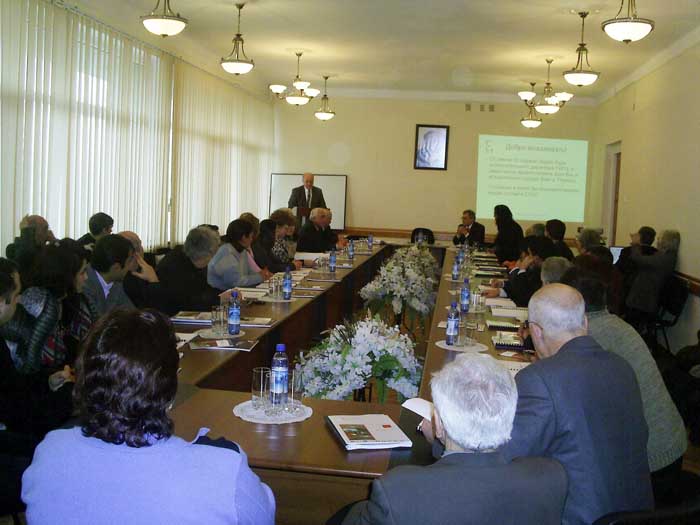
(642, 241)
(313, 237)
(469, 231)
(112, 259)
(100, 225)
(34, 235)
(555, 230)
(475, 399)
(581, 405)
(307, 196)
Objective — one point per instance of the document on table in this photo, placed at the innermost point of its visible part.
(503, 302)
(309, 256)
(518, 313)
(252, 293)
(369, 431)
(184, 338)
(420, 406)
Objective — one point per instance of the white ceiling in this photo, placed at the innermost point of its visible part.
(493, 46)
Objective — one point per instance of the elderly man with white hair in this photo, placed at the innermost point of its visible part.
(312, 237)
(475, 400)
(581, 405)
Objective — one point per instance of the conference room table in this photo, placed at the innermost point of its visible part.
(305, 464)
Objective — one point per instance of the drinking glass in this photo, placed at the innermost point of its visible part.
(261, 387)
(295, 392)
(219, 321)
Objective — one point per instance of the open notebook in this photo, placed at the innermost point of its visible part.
(369, 432)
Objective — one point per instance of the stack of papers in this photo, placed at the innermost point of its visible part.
(369, 432)
(224, 344)
(507, 340)
(518, 313)
(502, 302)
(198, 318)
(256, 322)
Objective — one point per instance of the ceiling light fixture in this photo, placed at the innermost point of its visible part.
(166, 23)
(325, 112)
(578, 76)
(301, 92)
(628, 28)
(550, 103)
(532, 121)
(237, 63)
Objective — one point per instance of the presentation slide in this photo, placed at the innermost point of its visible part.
(538, 179)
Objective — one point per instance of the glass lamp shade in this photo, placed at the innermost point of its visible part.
(628, 29)
(531, 123)
(311, 92)
(296, 99)
(563, 96)
(278, 89)
(164, 25)
(301, 84)
(237, 67)
(324, 115)
(546, 109)
(527, 96)
(581, 77)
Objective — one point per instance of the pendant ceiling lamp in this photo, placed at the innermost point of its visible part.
(325, 112)
(578, 76)
(550, 102)
(301, 91)
(237, 63)
(628, 28)
(164, 23)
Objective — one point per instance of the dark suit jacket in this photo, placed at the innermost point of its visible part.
(312, 240)
(479, 489)
(187, 285)
(583, 408)
(298, 198)
(100, 304)
(520, 287)
(561, 249)
(477, 234)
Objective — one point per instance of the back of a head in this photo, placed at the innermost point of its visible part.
(268, 229)
(236, 231)
(99, 222)
(127, 378)
(55, 269)
(109, 250)
(212, 227)
(560, 310)
(283, 217)
(589, 238)
(647, 234)
(553, 269)
(201, 243)
(253, 220)
(670, 241)
(536, 229)
(603, 254)
(556, 229)
(541, 247)
(590, 284)
(476, 399)
(502, 214)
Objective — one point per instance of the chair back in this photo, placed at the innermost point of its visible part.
(685, 514)
(427, 234)
(674, 295)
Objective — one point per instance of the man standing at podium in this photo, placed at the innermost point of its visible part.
(306, 197)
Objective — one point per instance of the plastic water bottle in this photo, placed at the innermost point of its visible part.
(419, 238)
(279, 375)
(460, 256)
(455, 270)
(234, 314)
(370, 241)
(287, 284)
(464, 297)
(332, 261)
(351, 250)
(452, 332)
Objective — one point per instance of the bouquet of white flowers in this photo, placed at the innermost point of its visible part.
(356, 353)
(407, 282)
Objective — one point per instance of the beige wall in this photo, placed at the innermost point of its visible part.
(657, 120)
(372, 141)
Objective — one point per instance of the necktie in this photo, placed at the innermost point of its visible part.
(308, 198)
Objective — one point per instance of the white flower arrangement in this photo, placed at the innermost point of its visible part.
(353, 354)
(407, 282)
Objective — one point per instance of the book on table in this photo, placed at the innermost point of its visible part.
(256, 322)
(241, 345)
(508, 340)
(369, 432)
(187, 317)
(502, 324)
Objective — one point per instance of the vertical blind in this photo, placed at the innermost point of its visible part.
(86, 117)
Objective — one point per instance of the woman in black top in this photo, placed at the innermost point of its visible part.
(510, 234)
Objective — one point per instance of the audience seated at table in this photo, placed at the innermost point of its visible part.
(284, 237)
(535, 230)
(262, 246)
(556, 230)
(600, 259)
(553, 269)
(472, 483)
(313, 237)
(580, 404)
(509, 236)
(46, 331)
(231, 265)
(100, 225)
(587, 239)
(112, 259)
(469, 230)
(667, 435)
(31, 403)
(123, 463)
(183, 272)
(651, 273)
(34, 235)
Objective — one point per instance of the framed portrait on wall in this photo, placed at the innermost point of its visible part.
(431, 147)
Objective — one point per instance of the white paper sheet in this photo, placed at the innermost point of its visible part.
(420, 406)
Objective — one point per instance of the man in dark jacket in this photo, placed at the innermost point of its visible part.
(556, 230)
(469, 231)
(581, 405)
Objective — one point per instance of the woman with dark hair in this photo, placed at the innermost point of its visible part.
(510, 234)
(123, 463)
(231, 267)
(262, 247)
(54, 316)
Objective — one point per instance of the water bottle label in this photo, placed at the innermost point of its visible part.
(234, 321)
(279, 378)
(464, 300)
(455, 271)
(452, 326)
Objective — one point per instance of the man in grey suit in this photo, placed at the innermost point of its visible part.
(112, 259)
(475, 399)
(581, 405)
(307, 196)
